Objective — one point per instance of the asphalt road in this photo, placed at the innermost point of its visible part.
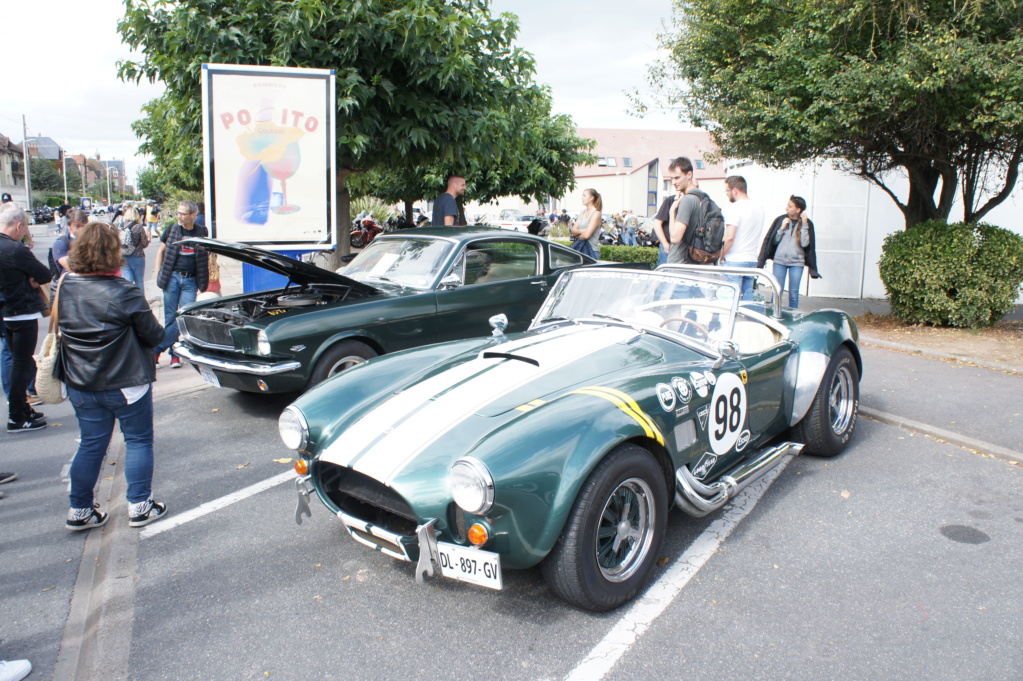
(897, 560)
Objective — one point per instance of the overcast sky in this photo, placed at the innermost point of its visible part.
(59, 67)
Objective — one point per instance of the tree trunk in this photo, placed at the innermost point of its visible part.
(331, 260)
(408, 212)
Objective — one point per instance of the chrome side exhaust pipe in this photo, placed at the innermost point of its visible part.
(698, 499)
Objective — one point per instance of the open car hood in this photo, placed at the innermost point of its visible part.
(301, 273)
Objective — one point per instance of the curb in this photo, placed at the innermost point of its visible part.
(984, 364)
(986, 448)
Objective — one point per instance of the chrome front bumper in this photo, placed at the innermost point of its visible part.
(420, 548)
(234, 366)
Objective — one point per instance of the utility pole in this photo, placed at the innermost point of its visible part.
(63, 170)
(28, 165)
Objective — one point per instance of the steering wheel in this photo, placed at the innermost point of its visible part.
(689, 322)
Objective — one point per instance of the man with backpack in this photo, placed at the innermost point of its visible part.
(77, 218)
(698, 227)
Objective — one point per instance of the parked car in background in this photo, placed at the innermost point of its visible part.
(405, 289)
(515, 220)
(566, 446)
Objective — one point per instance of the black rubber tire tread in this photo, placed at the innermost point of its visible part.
(570, 569)
(333, 354)
(356, 240)
(815, 428)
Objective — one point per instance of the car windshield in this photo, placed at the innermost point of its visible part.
(701, 307)
(413, 262)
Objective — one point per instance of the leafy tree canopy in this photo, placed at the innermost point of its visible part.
(151, 185)
(931, 88)
(420, 83)
(45, 178)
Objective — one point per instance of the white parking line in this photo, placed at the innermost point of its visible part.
(660, 595)
(215, 505)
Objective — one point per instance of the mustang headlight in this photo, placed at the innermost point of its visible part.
(293, 428)
(472, 486)
(262, 343)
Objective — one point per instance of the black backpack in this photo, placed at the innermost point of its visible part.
(54, 267)
(709, 235)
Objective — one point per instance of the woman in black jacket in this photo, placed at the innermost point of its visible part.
(107, 336)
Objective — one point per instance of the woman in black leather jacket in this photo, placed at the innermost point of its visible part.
(107, 336)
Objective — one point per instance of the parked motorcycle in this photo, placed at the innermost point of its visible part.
(364, 231)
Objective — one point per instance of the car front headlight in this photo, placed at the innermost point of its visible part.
(293, 428)
(262, 343)
(471, 485)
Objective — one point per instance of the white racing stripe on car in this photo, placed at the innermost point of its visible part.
(389, 455)
(377, 423)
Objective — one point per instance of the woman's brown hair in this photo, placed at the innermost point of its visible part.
(96, 249)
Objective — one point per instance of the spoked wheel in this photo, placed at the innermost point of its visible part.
(830, 422)
(608, 548)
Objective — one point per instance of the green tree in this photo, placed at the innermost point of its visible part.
(930, 90)
(420, 83)
(45, 177)
(151, 185)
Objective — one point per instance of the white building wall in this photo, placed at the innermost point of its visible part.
(851, 217)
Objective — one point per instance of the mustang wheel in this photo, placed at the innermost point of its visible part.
(609, 545)
(829, 424)
(336, 359)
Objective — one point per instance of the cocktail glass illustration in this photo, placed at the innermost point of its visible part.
(281, 169)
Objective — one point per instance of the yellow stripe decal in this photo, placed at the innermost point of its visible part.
(627, 405)
(531, 405)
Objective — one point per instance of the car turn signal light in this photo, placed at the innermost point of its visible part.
(301, 466)
(478, 534)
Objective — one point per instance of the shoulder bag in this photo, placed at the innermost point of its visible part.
(49, 388)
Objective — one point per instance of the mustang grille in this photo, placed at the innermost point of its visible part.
(208, 331)
(367, 499)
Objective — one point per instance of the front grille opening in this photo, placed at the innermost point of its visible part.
(456, 521)
(367, 499)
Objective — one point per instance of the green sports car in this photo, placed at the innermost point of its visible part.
(565, 446)
(406, 289)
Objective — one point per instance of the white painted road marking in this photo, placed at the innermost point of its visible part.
(209, 507)
(599, 662)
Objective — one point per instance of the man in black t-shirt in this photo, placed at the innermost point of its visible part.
(445, 207)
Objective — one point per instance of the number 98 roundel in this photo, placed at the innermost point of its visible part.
(727, 413)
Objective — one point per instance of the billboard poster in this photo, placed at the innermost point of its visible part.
(269, 148)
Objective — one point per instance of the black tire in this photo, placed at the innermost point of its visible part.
(337, 358)
(356, 239)
(593, 565)
(830, 422)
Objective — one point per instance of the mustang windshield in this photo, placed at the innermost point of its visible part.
(702, 308)
(413, 262)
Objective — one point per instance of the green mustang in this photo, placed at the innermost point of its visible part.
(407, 289)
(565, 445)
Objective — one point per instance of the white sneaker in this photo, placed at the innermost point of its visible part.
(15, 670)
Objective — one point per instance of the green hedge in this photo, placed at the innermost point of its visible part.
(624, 253)
(963, 275)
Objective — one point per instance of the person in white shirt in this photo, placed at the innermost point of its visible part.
(744, 221)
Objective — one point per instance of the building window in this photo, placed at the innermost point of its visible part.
(667, 185)
(612, 161)
(627, 161)
(699, 164)
(602, 161)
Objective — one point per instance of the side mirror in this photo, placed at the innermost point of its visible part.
(729, 349)
(499, 323)
(451, 281)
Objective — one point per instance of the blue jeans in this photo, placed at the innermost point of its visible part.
(662, 256)
(134, 270)
(745, 283)
(629, 237)
(180, 291)
(795, 273)
(5, 362)
(96, 412)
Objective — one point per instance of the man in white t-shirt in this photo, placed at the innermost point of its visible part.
(744, 220)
